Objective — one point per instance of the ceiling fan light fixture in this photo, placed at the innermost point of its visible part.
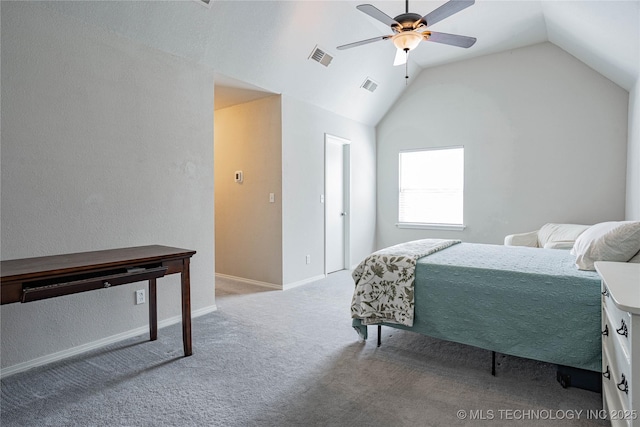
(407, 40)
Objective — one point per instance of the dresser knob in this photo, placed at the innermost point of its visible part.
(623, 329)
(106, 284)
(606, 373)
(623, 386)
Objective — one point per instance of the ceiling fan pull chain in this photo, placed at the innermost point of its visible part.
(406, 68)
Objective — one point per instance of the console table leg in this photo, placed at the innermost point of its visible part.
(153, 310)
(186, 308)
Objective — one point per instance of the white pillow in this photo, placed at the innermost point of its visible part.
(636, 258)
(607, 241)
(550, 232)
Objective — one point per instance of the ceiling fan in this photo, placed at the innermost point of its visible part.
(410, 28)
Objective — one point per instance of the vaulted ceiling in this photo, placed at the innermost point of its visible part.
(261, 47)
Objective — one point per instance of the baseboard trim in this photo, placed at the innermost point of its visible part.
(249, 281)
(64, 354)
(303, 282)
(271, 285)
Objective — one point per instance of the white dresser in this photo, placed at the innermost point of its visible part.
(621, 342)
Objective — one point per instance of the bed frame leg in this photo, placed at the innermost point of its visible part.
(379, 335)
(493, 363)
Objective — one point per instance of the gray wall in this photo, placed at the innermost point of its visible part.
(248, 137)
(105, 144)
(633, 156)
(303, 130)
(545, 140)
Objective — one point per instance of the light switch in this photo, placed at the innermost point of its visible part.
(272, 198)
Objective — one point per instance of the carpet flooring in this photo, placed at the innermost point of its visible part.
(274, 358)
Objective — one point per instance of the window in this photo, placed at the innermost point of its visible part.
(431, 188)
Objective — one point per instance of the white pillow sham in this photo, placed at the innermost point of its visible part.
(607, 241)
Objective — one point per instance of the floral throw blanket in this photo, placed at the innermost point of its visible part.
(384, 282)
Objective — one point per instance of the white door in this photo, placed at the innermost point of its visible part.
(336, 220)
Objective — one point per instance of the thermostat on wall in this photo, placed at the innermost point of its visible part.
(238, 176)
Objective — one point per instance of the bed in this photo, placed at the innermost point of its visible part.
(526, 302)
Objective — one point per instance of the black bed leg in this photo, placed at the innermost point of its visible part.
(493, 363)
(379, 335)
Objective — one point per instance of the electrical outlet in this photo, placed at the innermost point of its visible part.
(308, 259)
(140, 297)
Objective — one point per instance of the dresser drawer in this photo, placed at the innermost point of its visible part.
(620, 342)
(615, 380)
(617, 323)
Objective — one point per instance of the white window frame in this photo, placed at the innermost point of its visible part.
(422, 225)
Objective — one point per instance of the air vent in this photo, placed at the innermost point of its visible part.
(319, 55)
(369, 85)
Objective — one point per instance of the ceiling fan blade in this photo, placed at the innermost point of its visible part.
(376, 13)
(450, 39)
(445, 11)
(361, 42)
(401, 57)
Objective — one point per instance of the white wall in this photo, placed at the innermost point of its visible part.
(248, 137)
(633, 156)
(545, 140)
(303, 130)
(105, 144)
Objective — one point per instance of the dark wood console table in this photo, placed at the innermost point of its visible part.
(33, 279)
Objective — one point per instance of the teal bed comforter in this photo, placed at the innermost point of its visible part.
(521, 301)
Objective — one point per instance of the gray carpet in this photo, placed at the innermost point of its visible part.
(273, 358)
